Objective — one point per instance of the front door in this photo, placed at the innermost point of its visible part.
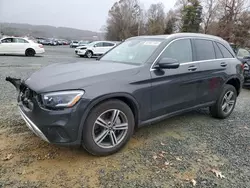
(175, 89)
(7, 46)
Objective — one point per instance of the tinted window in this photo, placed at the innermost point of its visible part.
(108, 44)
(218, 53)
(8, 40)
(180, 50)
(21, 41)
(204, 49)
(100, 44)
(225, 51)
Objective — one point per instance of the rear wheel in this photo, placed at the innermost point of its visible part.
(225, 103)
(30, 52)
(108, 128)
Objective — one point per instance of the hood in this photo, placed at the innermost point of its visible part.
(78, 75)
(81, 46)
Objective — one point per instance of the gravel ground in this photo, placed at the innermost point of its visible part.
(184, 151)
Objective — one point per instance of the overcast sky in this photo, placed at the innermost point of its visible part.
(81, 14)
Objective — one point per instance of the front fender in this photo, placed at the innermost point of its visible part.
(100, 99)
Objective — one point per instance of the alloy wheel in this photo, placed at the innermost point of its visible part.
(89, 54)
(110, 128)
(228, 102)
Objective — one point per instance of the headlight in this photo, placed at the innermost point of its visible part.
(63, 99)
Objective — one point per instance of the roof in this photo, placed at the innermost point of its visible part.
(180, 35)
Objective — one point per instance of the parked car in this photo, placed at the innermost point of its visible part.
(73, 44)
(244, 56)
(81, 44)
(20, 46)
(60, 42)
(98, 104)
(96, 48)
(65, 42)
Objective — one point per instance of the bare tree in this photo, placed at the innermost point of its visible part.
(156, 19)
(122, 22)
(210, 8)
(230, 13)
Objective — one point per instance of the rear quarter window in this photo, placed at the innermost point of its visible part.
(218, 52)
(225, 51)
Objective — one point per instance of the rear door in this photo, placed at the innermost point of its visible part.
(108, 46)
(175, 89)
(213, 64)
(99, 48)
(20, 45)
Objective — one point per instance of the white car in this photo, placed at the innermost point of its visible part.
(20, 46)
(80, 45)
(96, 48)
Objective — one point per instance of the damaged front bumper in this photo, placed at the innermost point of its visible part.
(19, 85)
(32, 126)
(59, 127)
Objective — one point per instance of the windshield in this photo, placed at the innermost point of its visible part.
(135, 51)
(243, 53)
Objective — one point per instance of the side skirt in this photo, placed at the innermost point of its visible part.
(163, 117)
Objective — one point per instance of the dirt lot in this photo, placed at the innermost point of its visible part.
(184, 151)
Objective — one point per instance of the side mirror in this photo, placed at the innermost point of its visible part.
(168, 63)
(94, 45)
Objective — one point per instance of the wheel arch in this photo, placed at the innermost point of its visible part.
(30, 49)
(234, 81)
(124, 97)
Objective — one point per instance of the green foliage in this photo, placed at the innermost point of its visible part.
(191, 16)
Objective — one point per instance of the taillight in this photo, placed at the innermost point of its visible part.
(40, 45)
(242, 66)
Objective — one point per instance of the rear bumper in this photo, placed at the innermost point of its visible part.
(246, 80)
(40, 51)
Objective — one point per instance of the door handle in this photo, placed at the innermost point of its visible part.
(192, 68)
(223, 64)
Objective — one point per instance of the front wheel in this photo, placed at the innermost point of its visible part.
(108, 128)
(89, 54)
(225, 104)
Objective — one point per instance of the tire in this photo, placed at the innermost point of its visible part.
(101, 146)
(30, 52)
(89, 54)
(217, 109)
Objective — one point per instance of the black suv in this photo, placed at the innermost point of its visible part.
(99, 104)
(244, 56)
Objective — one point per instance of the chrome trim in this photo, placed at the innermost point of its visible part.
(32, 126)
(186, 63)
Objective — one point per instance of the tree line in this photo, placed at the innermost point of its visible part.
(229, 19)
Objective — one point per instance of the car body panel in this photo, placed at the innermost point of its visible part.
(155, 93)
